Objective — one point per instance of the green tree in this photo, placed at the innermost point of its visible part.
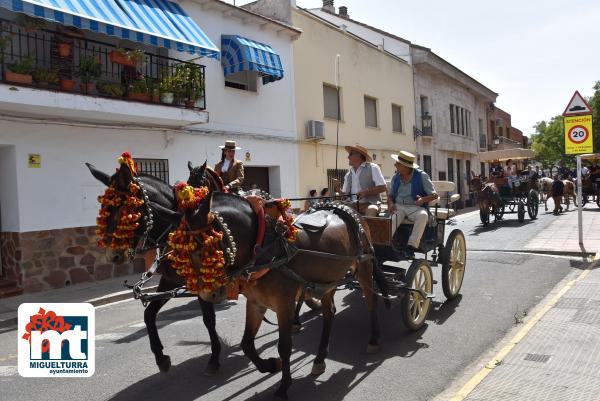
(594, 102)
(549, 143)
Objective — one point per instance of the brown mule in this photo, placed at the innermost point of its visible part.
(323, 259)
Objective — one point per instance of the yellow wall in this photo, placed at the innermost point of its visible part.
(364, 70)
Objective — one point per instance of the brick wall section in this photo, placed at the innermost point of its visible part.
(41, 260)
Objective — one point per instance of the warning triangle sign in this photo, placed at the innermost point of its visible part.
(577, 106)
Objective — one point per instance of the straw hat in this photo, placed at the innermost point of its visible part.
(359, 149)
(230, 145)
(406, 159)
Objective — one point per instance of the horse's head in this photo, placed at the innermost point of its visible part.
(476, 183)
(204, 176)
(128, 209)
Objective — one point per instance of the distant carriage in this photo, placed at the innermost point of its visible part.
(502, 195)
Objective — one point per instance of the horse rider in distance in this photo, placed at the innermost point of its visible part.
(229, 168)
(363, 181)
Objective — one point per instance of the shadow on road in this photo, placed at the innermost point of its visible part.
(502, 223)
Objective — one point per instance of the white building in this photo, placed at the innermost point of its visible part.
(48, 197)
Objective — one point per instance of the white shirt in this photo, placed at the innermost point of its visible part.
(584, 170)
(377, 179)
(226, 164)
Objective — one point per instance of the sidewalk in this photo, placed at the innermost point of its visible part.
(556, 353)
(97, 293)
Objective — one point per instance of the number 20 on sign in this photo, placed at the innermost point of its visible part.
(578, 135)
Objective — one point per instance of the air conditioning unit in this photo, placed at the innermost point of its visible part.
(315, 130)
(499, 122)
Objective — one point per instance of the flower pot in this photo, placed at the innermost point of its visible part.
(67, 85)
(156, 98)
(189, 104)
(86, 89)
(121, 59)
(25, 79)
(142, 97)
(64, 49)
(167, 97)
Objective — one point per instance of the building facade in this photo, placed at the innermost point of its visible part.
(48, 198)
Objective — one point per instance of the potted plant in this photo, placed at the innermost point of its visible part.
(66, 84)
(4, 42)
(110, 89)
(167, 89)
(128, 58)
(64, 47)
(20, 72)
(191, 76)
(89, 69)
(138, 90)
(45, 76)
(31, 24)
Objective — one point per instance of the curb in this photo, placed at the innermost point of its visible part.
(12, 321)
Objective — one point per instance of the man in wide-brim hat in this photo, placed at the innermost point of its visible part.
(363, 181)
(411, 191)
(229, 169)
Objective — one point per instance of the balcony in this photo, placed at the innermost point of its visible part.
(61, 72)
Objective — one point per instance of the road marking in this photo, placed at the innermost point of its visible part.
(8, 358)
(497, 359)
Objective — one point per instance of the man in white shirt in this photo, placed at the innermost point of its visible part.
(364, 181)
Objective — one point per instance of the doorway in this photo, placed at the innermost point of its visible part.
(256, 177)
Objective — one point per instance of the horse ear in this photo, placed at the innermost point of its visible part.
(190, 166)
(124, 176)
(204, 165)
(99, 175)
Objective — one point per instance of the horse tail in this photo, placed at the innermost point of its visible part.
(381, 283)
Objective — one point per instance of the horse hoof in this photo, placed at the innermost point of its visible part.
(296, 328)
(372, 349)
(318, 369)
(281, 394)
(164, 363)
(211, 370)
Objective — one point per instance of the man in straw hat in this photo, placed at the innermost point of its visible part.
(229, 169)
(410, 193)
(364, 181)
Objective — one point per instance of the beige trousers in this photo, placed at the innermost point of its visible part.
(367, 209)
(414, 214)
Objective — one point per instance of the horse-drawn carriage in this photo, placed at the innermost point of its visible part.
(507, 195)
(416, 283)
(590, 184)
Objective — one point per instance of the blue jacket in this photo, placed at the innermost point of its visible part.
(416, 185)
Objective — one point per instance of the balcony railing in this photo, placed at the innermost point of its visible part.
(65, 60)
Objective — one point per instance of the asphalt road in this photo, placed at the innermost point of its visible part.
(498, 288)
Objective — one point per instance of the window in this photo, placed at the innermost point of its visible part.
(482, 169)
(450, 169)
(452, 118)
(158, 168)
(468, 169)
(332, 107)
(370, 112)
(460, 120)
(427, 164)
(396, 118)
(482, 139)
(442, 175)
(459, 177)
(245, 80)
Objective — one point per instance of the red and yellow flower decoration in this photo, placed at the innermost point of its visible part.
(184, 242)
(130, 204)
(282, 206)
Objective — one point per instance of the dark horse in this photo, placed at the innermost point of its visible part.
(488, 198)
(161, 208)
(323, 259)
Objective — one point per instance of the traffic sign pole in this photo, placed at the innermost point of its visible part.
(579, 202)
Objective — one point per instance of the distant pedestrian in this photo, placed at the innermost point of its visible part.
(325, 192)
(558, 190)
(311, 202)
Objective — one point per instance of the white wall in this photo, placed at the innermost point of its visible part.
(62, 193)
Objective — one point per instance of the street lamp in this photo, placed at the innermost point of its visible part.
(426, 124)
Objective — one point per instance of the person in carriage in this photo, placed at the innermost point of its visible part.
(229, 168)
(363, 181)
(409, 196)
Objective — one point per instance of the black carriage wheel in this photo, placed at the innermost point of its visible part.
(415, 306)
(521, 212)
(454, 260)
(533, 204)
(313, 303)
(484, 216)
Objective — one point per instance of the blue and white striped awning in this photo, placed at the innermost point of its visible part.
(155, 22)
(241, 54)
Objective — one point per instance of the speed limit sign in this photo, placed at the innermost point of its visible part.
(578, 134)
